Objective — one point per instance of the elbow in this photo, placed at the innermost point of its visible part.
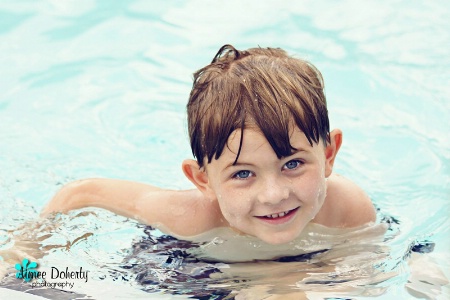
(69, 197)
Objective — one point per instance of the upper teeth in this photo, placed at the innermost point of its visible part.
(282, 214)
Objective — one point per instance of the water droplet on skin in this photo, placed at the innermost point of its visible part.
(254, 244)
(217, 241)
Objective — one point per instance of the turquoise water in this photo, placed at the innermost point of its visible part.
(98, 89)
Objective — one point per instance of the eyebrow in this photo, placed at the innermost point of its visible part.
(237, 164)
(297, 150)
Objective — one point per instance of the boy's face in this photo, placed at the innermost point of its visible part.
(270, 198)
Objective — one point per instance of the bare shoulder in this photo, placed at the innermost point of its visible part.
(346, 204)
(182, 213)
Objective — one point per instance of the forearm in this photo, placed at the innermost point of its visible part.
(116, 195)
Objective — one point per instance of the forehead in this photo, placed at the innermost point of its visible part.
(254, 141)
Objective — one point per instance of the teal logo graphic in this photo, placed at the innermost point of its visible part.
(26, 271)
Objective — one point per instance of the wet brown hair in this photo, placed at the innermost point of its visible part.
(258, 87)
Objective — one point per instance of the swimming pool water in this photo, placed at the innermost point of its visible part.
(98, 89)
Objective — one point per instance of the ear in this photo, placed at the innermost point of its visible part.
(198, 177)
(331, 150)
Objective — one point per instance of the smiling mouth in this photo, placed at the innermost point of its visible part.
(279, 215)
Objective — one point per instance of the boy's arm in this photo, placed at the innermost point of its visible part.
(116, 195)
(176, 211)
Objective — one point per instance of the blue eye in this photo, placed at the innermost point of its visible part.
(244, 174)
(292, 164)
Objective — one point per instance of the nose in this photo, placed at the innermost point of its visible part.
(273, 191)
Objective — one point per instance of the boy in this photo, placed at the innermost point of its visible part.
(259, 129)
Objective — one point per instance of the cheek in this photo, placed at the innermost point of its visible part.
(314, 188)
(322, 192)
(233, 205)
